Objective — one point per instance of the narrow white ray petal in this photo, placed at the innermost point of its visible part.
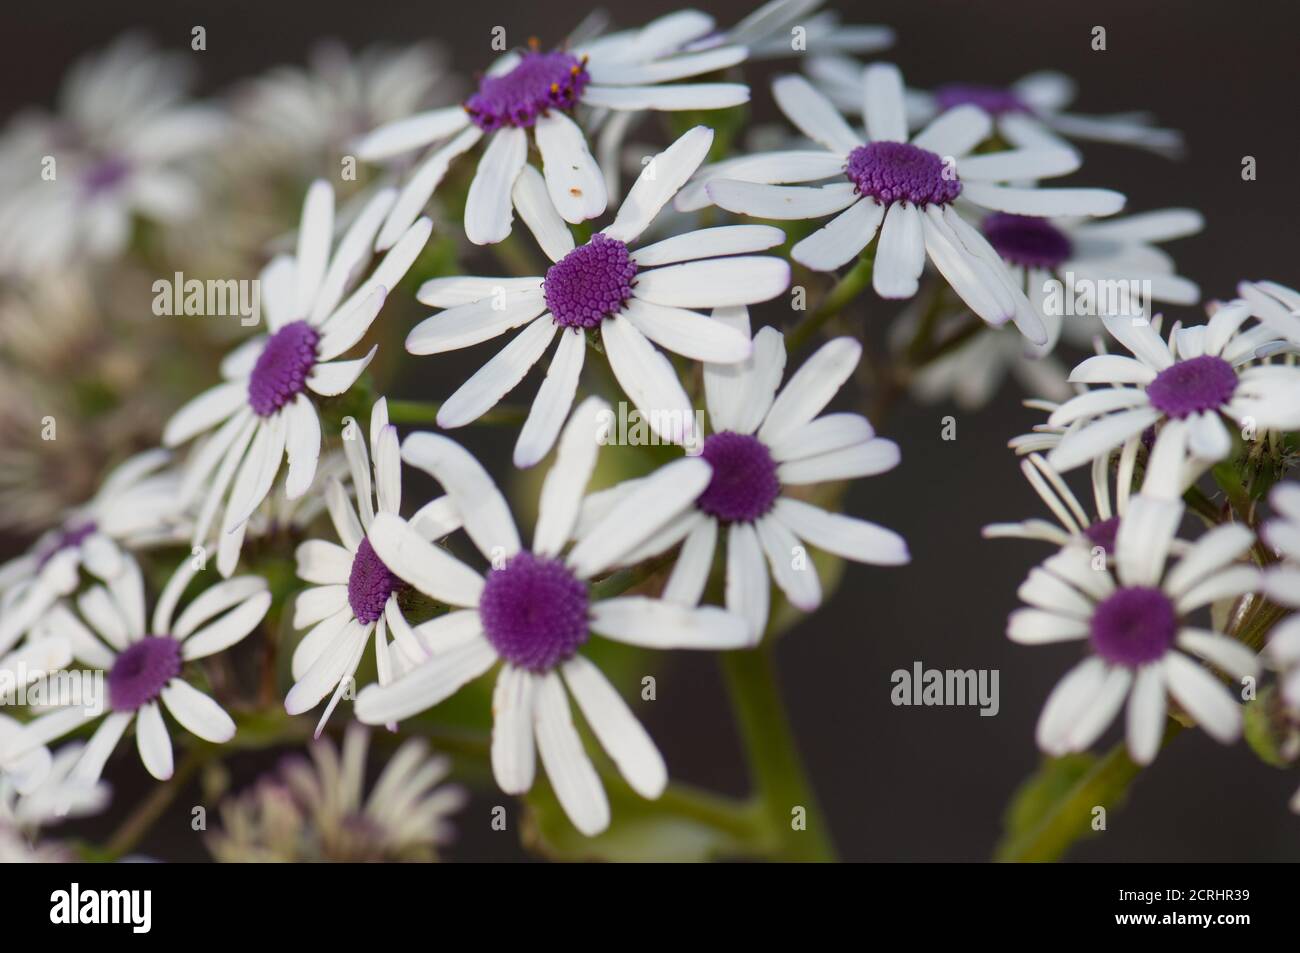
(573, 179)
(514, 760)
(663, 175)
(1100, 437)
(205, 411)
(574, 780)
(810, 389)
(566, 483)
(463, 289)
(481, 506)
(315, 233)
(882, 106)
(538, 212)
(1236, 580)
(1228, 654)
(845, 536)
(900, 253)
(654, 623)
(487, 208)
(616, 728)
(649, 380)
(1071, 697)
(554, 398)
(197, 713)
(667, 98)
(1018, 164)
(1043, 202)
(842, 239)
(1205, 698)
(335, 377)
(430, 569)
(747, 592)
(739, 396)
(477, 321)
(793, 572)
(687, 332)
(229, 629)
(685, 585)
(709, 243)
(813, 114)
(330, 667)
(152, 740)
(847, 463)
(497, 377)
(426, 685)
(955, 132)
(782, 202)
(302, 446)
(213, 601)
(1143, 540)
(395, 138)
(420, 186)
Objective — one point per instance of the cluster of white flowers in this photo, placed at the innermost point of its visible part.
(940, 187)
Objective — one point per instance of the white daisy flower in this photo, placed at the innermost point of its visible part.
(1028, 113)
(1051, 258)
(770, 32)
(904, 190)
(536, 609)
(354, 593)
(1187, 388)
(318, 810)
(143, 664)
(766, 441)
(535, 90)
(306, 114)
(605, 285)
(1135, 616)
(263, 411)
(22, 769)
(122, 131)
(135, 506)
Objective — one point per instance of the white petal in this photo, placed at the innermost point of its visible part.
(1142, 543)
(1216, 549)
(430, 569)
(497, 377)
(302, 446)
(153, 741)
(810, 389)
(1068, 701)
(477, 321)
(685, 585)
(335, 377)
(956, 132)
(315, 233)
(481, 507)
(1019, 164)
(323, 563)
(229, 629)
(649, 380)
(687, 332)
(659, 182)
(739, 396)
(668, 98)
(649, 506)
(538, 212)
(782, 201)
(793, 572)
(573, 179)
(205, 411)
(487, 208)
(565, 484)
(426, 685)
(842, 239)
(1204, 697)
(748, 592)
(653, 623)
(1231, 656)
(616, 728)
(832, 432)
(197, 713)
(553, 400)
(883, 103)
(394, 138)
(1100, 437)
(864, 459)
(331, 666)
(845, 536)
(462, 289)
(317, 603)
(213, 601)
(709, 243)
(900, 253)
(576, 784)
(420, 186)
(1146, 714)
(514, 759)
(814, 115)
(1043, 202)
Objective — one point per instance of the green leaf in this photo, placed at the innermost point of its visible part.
(1040, 793)
(1267, 729)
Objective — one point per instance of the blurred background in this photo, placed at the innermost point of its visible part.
(896, 783)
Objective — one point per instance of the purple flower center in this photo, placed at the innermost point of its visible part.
(901, 172)
(104, 175)
(282, 368)
(142, 671)
(534, 612)
(992, 99)
(370, 584)
(1102, 533)
(69, 537)
(1192, 386)
(744, 484)
(590, 283)
(540, 82)
(1134, 626)
(1029, 242)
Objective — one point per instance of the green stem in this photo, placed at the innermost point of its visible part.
(780, 783)
(1071, 817)
(148, 811)
(845, 290)
(426, 412)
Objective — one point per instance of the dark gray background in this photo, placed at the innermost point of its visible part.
(903, 783)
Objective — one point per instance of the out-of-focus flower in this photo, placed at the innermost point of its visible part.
(784, 28)
(262, 411)
(1134, 615)
(903, 190)
(602, 284)
(633, 70)
(1277, 306)
(1028, 113)
(1205, 375)
(318, 811)
(135, 506)
(57, 797)
(765, 441)
(536, 609)
(143, 662)
(353, 592)
(73, 181)
(1282, 584)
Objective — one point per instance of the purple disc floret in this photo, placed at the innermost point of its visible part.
(1134, 626)
(1192, 386)
(534, 612)
(370, 583)
(1027, 241)
(744, 484)
(590, 283)
(901, 172)
(539, 82)
(283, 367)
(142, 671)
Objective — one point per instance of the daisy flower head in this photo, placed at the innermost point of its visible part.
(765, 442)
(53, 798)
(537, 90)
(1029, 112)
(536, 608)
(353, 594)
(116, 149)
(143, 659)
(264, 409)
(1053, 258)
(135, 506)
(1134, 614)
(1187, 390)
(318, 810)
(635, 297)
(903, 190)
